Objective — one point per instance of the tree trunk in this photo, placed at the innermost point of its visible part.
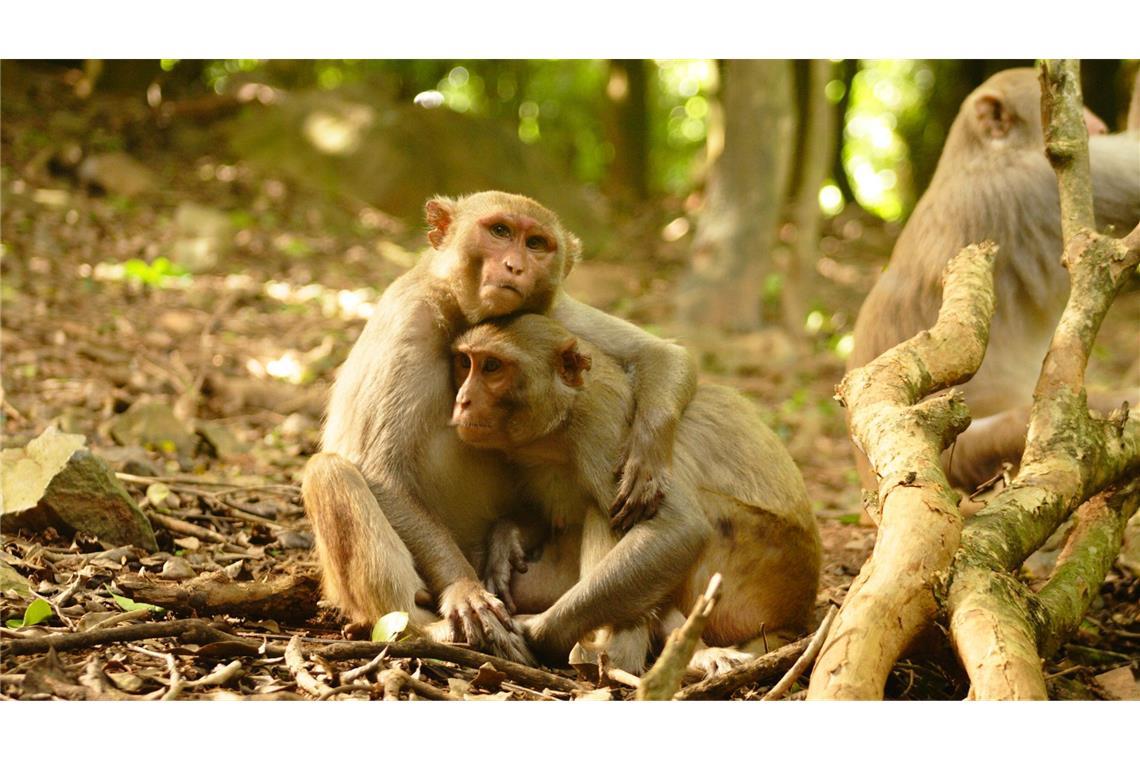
(627, 129)
(736, 230)
(817, 131)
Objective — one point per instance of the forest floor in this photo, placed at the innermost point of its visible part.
(206, 391)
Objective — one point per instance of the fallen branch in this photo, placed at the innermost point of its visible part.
(664, 679)
(295, 659)
(423, 648)
(805, 660)
(198, 630)
(290, 598)
(995, 624)
(182, 527)
(893, 598)
(762, 670)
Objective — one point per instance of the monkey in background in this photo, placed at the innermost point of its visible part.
(399, 507)
(993, 182)
(560, 409)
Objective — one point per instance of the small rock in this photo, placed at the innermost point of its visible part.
(177, 569)
(55, 480)
(133, 460)
(290, 539)
(203, 236)
(153, 425)
(222, 443)
(10, 580)
(117, 174)
(296, 425)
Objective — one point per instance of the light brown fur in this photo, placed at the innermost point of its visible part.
(993, 182)
(398, 505)
(736, 503)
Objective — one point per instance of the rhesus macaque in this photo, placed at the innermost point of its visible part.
(399, 507)
(559, 408)
(993, 182)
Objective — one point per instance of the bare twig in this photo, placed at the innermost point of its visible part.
(764, 669)
(805, 659)
(295, 659)
(664, 679)
(122, 617)
(174, 690)
(366, 669)
(187, 529)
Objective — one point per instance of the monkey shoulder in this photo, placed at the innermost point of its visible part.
(751, 464)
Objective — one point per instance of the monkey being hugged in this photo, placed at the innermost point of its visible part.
(560, 410)
(400, 508)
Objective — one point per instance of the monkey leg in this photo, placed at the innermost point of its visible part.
(366, 569)
(988, 443)
(769, 568)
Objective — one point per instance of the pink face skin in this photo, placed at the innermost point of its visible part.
(518, 254)
(478, 416)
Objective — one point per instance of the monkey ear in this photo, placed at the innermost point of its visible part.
(573, 253)
(994, 119)
(440, 212)
(571, 364)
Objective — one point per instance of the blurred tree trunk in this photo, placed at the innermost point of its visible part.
(847, 70)
(816, 147)
(627, 129)
(737, 227)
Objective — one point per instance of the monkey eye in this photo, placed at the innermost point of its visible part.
(492, 364)
(537, 243)
(463, 360)
(498, 229)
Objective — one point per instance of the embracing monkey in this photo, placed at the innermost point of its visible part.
(560, 409)
(399, 506)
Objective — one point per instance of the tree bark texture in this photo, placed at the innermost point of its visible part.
(903, 437)
(737, 228)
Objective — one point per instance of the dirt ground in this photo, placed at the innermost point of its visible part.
(246, 349)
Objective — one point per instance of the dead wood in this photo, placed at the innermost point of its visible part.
(804, 661)
(762, 670)
(664, 679)
(996, 625)
(292, 598)
(198, 631)
(903, 437)
(423, 648)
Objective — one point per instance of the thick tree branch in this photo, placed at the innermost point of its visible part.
(893, 597)
(1069, 456)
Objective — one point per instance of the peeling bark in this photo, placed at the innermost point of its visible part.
(893, 597)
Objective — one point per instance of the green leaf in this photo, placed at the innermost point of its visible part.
(156, 493)
(37, 612)
(130, 605)
(390, 626)
(851, 519)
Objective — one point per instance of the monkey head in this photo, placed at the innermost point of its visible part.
(499, 253)
(1005, 112)
(517, 381)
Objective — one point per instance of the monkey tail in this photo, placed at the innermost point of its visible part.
(366, 569)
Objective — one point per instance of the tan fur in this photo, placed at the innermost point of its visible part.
(425, 495)
(998, 187)
(736, 503)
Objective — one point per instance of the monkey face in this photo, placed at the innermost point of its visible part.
(482, 412)
(521, 264)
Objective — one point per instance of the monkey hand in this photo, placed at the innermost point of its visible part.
(712, 661)
(641, 487)
(505, 556)
(479, 618)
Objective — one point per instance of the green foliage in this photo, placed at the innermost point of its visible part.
(389, 626)
(130, 605)
(157, 274)
(886, 96)
(680, 118)
(37, 612)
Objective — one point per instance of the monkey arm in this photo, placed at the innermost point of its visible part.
(648, 563)
(664, 381)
